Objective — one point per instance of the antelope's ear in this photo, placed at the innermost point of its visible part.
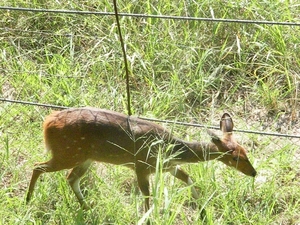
(215, 139)
(213, 135)
(226, 123)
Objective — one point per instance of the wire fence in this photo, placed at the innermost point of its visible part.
(162, 121)
(152, 16)
(83, 61)
(29, 33)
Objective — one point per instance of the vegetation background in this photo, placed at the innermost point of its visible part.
(181, 70)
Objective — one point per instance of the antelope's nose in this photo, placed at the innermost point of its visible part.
(254, 173)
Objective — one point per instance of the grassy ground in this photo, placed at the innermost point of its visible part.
(180, 70)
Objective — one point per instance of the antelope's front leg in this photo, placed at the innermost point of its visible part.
(182, 175)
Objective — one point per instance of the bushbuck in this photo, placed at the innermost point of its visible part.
(76, 137)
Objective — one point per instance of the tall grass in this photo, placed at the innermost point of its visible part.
(183, 70)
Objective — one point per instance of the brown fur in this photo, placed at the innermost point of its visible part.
(76, 137)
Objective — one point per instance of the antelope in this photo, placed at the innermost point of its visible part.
(76, 137)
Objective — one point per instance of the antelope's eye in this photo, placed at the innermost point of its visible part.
(236, 158)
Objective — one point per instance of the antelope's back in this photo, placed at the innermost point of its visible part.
(98, 134)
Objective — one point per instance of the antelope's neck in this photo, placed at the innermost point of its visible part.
(192, 152)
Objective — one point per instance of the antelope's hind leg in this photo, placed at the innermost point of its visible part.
(74, 181)
(39, 168)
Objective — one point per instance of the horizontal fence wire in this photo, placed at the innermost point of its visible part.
(150, 16)
(159, 120)
(34, 10)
